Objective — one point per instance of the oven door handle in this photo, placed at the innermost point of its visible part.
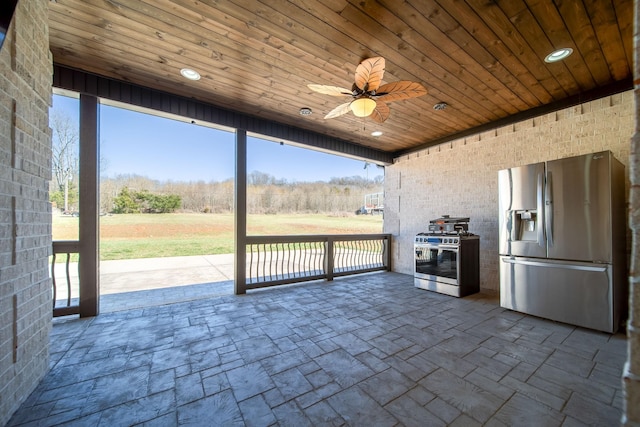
(453, 248)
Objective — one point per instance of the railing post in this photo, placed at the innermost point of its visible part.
(387, 251)
(328, 262)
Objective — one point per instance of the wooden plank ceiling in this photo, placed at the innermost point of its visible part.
(484, 59)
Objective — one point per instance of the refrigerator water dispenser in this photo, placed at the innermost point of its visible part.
(526, 222)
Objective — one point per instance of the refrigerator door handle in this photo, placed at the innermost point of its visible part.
(548, 220)
(600, 269)
(539, 208)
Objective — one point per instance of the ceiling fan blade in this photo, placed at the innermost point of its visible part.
(369, 74)
(381, 113)
(338, 111)
(330, 90)
(400, 90)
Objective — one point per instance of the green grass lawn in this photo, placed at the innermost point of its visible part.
(163, 235)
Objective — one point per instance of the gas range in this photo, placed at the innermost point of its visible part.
(447, 258)
(446, 230)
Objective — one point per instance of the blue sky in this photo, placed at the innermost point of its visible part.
(164, 149)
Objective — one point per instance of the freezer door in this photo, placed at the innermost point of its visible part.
(576, 293)
(578, 208)
(521, 211)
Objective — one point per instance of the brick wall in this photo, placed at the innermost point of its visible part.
(631, 374)
(461, 178)
(25, 218)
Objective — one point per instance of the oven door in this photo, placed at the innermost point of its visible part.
(439, 263)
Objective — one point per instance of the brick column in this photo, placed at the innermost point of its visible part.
(631, 375)
(25, 211)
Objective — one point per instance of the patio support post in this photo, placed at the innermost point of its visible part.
(240, 213)
(89, 258)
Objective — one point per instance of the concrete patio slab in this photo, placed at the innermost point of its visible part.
(128, 284)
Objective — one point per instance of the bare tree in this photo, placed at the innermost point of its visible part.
(64, 152)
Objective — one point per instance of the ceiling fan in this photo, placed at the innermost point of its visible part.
(369, 96)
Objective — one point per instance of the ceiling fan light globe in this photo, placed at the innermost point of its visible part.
(363, 107)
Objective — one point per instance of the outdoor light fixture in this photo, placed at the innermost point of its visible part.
(558, 55)
(363, 107)
(190, 74)
(306, 111)
(376, 133)
(367, 92)
(440, 106)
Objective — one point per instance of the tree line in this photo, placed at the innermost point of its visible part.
(265, 195)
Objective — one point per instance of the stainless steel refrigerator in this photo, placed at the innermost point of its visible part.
(562, 237)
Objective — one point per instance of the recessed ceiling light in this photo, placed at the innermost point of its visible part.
(558, 55)
(190, 74)
(440, 106)
(306, 111)
(376, 133)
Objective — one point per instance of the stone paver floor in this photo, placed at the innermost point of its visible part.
(368, 350)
